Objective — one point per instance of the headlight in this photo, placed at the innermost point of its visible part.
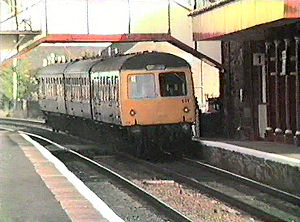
(186, 110)
(132, 112)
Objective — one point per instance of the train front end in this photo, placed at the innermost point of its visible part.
(157, 102)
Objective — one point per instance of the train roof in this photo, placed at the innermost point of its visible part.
(111, 64)
(54, 69)
(81, 66)
(139, 61)
(118, 63)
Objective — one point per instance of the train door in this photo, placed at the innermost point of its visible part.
(85, 96)
(95, 79)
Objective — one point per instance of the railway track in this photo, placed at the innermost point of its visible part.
(89, 170)
(258, 200)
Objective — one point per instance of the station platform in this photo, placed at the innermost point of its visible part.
(275, 164)
(34, 188)
(287, 152)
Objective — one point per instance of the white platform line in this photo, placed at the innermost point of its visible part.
(7, 129)
(252, 152)
(97, 203)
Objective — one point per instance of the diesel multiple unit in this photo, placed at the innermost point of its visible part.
(149, 94)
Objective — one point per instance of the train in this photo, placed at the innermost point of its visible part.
(149, 95)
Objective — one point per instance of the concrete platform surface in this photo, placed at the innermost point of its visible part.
(33, 189)
(271, 163)
(283, 149)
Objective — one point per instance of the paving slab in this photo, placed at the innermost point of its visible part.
(23, 194)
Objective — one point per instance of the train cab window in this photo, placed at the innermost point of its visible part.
(141, 86)
(172, 84)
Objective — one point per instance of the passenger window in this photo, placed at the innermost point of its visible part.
(141, 86)
(172, 84)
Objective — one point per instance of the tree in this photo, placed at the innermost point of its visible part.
(26, 81)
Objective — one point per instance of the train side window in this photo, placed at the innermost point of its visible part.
(82, 88)
(117, 88)
(86, 88)
(40, 86)
(71, 88)
(141, 86)
(77, 89)
(103, 88)
(43, 88)
(58, 86)
(112, 80)
(107, 88)
(112, 88)
(50, 87)
(172, 84)
(96, 86)
(100, 92)
(54, 87)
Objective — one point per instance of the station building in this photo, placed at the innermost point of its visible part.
(260, 85)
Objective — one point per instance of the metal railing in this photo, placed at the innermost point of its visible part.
(23, 17)
(207, 4)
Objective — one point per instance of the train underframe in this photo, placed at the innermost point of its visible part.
(171, 138)
(147, 140)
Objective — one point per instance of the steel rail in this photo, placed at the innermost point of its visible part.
(196, 184)
(260, 186)
(168, 211)
(252, 210)
(19, 120)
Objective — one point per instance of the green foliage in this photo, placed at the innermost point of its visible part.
(6, 82)
(26, 81)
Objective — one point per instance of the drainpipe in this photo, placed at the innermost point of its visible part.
(297, 135)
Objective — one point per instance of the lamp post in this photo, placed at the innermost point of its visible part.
(15, 82)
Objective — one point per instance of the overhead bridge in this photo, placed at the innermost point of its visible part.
(94, 21)
(121, 38)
